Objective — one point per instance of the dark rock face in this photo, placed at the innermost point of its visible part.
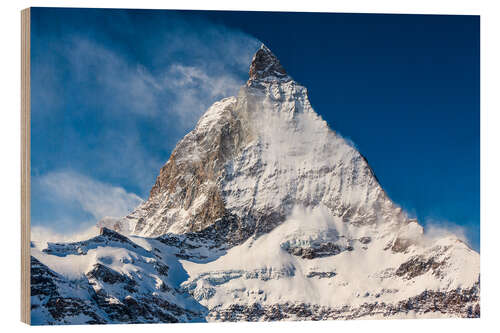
(141, 309)
(43, 280)
(417, 266)
(60, 308)
(321, 275)
(224, 233)
(265, 64)
(107, 275)
(456, 303)
(220, 143)
(47, 294)
(365, 240)
(319, 251)
(182, 179)
(400, 245)
(111, 235)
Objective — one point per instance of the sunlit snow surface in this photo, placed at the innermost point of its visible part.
(260, 270)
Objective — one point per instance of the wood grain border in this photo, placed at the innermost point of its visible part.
(25, 166)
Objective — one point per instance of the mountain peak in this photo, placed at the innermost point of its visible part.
(265, 65)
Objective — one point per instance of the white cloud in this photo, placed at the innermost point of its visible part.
(40, 236)
(175, 91)
(123, 85)
(97, 198)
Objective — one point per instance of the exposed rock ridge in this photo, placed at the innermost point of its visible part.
(430, 304)
(265, 66)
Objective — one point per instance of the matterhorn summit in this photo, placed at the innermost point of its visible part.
(265, 66)
(252, 159)
(262, 212)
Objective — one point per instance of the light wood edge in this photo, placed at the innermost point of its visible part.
(25, 167)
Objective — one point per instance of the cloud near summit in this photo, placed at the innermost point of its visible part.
(110, 112)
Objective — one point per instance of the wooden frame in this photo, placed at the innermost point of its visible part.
(25, 166)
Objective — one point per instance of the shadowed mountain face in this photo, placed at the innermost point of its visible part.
(262, 212)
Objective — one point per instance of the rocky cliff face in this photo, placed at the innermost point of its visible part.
(264, 213)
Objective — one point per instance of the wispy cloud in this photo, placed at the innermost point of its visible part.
(189, 71)
(120, 85)
(41, 235)
(94, 197)
(436, 229)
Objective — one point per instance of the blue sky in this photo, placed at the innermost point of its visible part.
(114, 90)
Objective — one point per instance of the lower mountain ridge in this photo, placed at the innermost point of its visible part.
(261, 213)
(291, 273)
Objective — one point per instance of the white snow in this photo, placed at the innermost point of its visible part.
(359, 273)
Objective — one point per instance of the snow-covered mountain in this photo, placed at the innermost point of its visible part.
(262, 212)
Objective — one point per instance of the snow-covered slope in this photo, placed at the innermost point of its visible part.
(109, 279)
(265, 213)
(313, 266)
